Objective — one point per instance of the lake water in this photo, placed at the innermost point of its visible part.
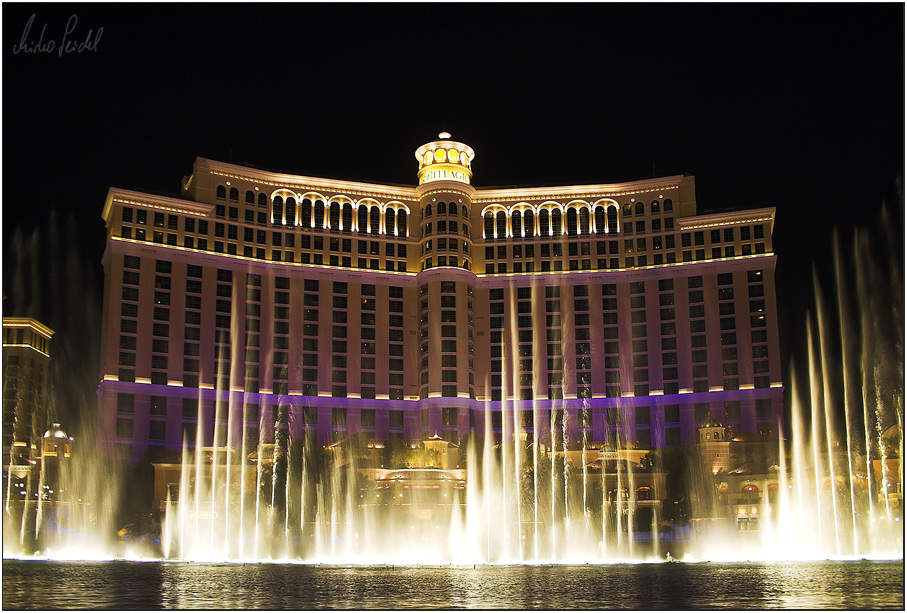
(174, 585)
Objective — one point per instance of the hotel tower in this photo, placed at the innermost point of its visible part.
(614, 310)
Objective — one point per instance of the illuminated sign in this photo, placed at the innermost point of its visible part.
(444, 173)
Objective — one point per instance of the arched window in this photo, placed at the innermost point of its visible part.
(291, 211)
(389, 225)
(544, 227)
(234, 194)
(640, 209)
(335, 216)
(319, 213)
(262, 201)
(516, 222)
(556, 222)
(305, 212)
(750, 492)
(600, 222)
(501, 224)
(489, 226)
(571, 221)
(277, 210)
(624, 494)
(347, 220)
(584, 221)
(442, 208)
(401, 224)
(656, 207)
(669, 205)
(362, 219)
(465, 212)
(374, 217)
(612, 220)
(250, 197)
(221, 192)
(628, 210)
(528, 223)
(427, 210)
(643, 493)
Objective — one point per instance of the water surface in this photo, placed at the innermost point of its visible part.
(174, 585)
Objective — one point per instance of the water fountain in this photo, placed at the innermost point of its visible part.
(539, 497)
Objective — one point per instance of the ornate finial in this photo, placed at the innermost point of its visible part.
(444, 135)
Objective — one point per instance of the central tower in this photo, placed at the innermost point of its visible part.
(446, 282)
(445, 199)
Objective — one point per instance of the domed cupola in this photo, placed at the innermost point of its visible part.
(56, 432)
(445, 160)
(711, 430)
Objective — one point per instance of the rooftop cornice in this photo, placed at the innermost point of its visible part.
(602, 190)
(727, 217)
(278, 180)
(28, 322)
(167, 203)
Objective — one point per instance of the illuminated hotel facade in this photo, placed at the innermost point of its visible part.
(614, 311)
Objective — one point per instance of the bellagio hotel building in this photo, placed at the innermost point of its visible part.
(613, 310)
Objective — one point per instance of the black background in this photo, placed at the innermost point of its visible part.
(798, 107)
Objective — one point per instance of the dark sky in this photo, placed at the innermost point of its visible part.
(800, 107)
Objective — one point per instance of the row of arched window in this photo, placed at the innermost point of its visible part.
(366, 216)
(655, 208)
(526, 222)
(341, 217)
(444, 155)
(444, 209)
(234, 196)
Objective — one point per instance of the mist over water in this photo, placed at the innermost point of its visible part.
(48, 275)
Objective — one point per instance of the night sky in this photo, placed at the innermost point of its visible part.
(800, 107)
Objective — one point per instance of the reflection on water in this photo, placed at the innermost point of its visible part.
(153, 585)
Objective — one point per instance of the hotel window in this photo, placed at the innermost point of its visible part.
(124, 428)
(158, 406)
(338, 416)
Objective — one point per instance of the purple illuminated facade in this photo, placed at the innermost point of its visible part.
(418, 311)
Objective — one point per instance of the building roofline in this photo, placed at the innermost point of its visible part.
(28, 322)
(706, 220)
(277, 180)
(167, 203)
(487, 195)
